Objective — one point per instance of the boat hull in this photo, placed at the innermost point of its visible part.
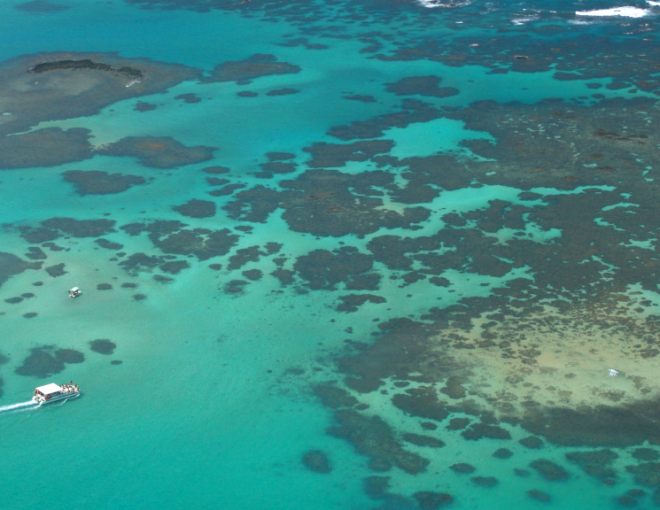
(58, 398)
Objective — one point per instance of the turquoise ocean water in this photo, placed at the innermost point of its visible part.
(213, 404)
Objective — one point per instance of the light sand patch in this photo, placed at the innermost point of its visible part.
(560, 358)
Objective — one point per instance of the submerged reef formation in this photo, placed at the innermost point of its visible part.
(48, 360)
(256, 66)
(64, 85)
(527, 253)
(94, 182)
(158, 152)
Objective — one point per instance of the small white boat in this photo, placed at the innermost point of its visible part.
(54, 393)
(75, 292)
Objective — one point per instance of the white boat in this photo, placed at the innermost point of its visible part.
(52, 392)
(75, 292)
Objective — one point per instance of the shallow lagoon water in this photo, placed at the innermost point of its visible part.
(213, 404)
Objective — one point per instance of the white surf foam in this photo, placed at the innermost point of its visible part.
(523, 20)
(627, 12)
(445, 4)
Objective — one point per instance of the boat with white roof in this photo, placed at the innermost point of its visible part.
(52, 392)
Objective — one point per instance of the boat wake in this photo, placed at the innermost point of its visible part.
(20, 406)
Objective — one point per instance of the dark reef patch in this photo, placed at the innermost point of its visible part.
(247, 93)
(143, 106)
(45, 147)
(172, 237)
(41, 7)
(14, 300)
(38, 235)
(421, 85)
(11, 265)
(30, 315)
(282, 92)
(322, 269)
(215, 170)
(352, 302)
(189, 98)
(316, 461)
(47, 361)
(56, 270)
(326, 203)
(422, 402)
(372, 437)
(95, 182)
(103, 346)
(361, 98)
(139, 262)
(454, 387)
(549, 470)
(334, 397)
(646, 474)
(252, 274)
(502, 453)
(108, 245)
(481, 430)
(412, 111)
(421, 440)
(485, 481)
(595, 463)
(244, 71)
(462, 468)
(35, 253)
(69, 356)
(539, 496)
(235, 287)
(215, 181)
(532, 442)
(82, 64)
(329, 155)
(252, 254)
(627, 424)
(645, 454)
(80, 228)
(376, 487)
(38, 88)
(158, 151)
(104, 286)
(174, 266)
(196, 209)
(226, 190)
(458, 423)
(277, 167)
(428, 500)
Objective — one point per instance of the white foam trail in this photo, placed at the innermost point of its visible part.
(14, 407)
(650, 2)
(628, 12)
(523, 20)
(444, 4)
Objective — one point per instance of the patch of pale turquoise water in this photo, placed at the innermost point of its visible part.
(418, 140)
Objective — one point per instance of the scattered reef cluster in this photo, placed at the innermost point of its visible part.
(579, 236)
